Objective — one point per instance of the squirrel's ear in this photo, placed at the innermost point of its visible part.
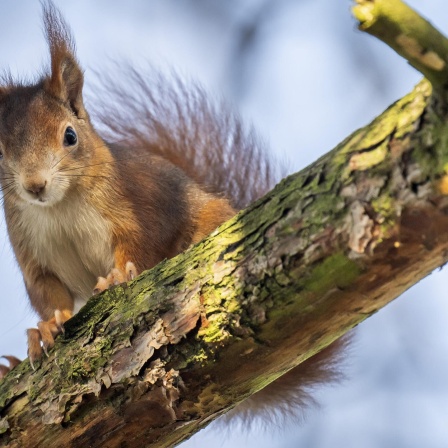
(66, 79)
(66, 82)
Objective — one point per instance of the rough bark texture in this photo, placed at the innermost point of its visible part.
(151, 362)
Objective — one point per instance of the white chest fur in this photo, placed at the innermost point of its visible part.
(73, 241)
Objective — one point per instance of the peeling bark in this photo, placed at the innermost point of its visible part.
(151, 362)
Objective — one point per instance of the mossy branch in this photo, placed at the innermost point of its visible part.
(410, 35)
(152, 362)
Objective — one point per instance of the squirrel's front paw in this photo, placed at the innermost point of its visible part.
(12, 361)
(41, 339)
(115, 277)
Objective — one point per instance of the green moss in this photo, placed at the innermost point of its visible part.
(4, 425)
(321, 211)
(233, 305)
(430, 148)
(212, 301)
(380, 130)
(336, 270)
(414, 105)
(432, 153)
(198, 358)
(384, 206)
(368, 159)
(442, 147)
(215, 330)
(398, 120)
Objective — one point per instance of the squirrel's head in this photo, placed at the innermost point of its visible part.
(45, 133)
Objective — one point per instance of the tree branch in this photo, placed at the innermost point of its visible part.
(411, 36)
(159, 358)
(151, 362)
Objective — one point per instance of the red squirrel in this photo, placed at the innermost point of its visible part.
(83, 214)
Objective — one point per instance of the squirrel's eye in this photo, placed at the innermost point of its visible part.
(70, 137)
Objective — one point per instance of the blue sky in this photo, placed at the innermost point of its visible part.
(310, 80)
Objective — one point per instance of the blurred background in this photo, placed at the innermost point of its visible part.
(306, 78)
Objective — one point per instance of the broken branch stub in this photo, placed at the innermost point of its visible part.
(409, 34)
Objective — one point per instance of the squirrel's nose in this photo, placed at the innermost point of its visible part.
(36, 187)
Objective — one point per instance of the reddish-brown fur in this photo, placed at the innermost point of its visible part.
(80, 211)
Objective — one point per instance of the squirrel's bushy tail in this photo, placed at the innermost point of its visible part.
(168, 117)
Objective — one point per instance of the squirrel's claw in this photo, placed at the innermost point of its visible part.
(34, 347)
(130, 271)
(32, 363)
(60, 317)
(41, 339)
(115, 277)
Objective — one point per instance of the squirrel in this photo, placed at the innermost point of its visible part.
(83, 214)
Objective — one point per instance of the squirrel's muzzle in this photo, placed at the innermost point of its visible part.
(35, 187)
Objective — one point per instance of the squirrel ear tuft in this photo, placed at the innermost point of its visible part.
(66, 79)
(66, 82)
